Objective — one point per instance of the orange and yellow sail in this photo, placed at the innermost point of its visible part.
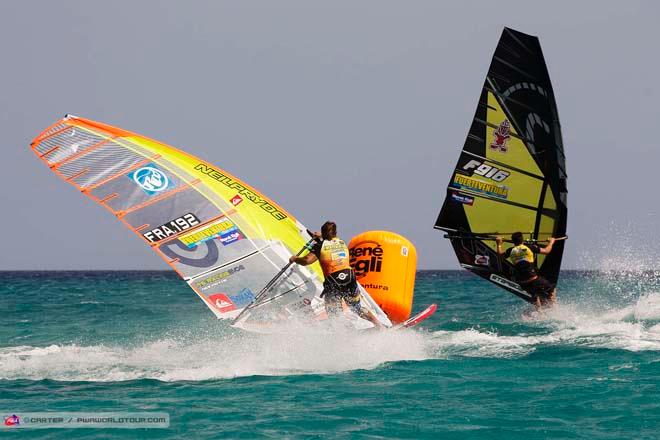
(222, 236)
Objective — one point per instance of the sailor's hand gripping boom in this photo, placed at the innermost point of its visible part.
(266, 288)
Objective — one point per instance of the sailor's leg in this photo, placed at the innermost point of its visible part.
(372, 318)
(332, 303)
(542, 292)
(530, 288)
(356, 305)
(548, 292)
(368, 315)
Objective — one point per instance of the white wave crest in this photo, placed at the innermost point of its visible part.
(633, 327)
(475, 343)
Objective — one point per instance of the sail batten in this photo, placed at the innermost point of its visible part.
(511, 172)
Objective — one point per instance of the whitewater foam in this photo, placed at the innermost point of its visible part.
(476, 343)
(220, 352)
(225, 354)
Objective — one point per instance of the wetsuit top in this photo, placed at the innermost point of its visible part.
(334, 258)
(522, 257)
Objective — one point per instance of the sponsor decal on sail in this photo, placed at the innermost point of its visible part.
(151, 179)
(501, 136)
(481, 260)
(222, 229)
(242, 191)
(462, 198)
(222, 302)
(236, 200)
(242, 298)
(218, 278)
(490, 189)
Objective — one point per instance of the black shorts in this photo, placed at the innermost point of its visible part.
(333, 294)
(539, 287)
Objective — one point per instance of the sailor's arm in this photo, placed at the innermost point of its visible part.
(304, 261)
(499, 240)
(546, 250)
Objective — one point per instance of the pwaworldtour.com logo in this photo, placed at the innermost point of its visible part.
(125, 420)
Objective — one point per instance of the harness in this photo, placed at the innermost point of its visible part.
(334, 257)
(335, 262)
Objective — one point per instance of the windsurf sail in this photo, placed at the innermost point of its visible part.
(511, 173)
(222, 236)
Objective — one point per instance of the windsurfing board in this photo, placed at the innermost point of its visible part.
(418, 318)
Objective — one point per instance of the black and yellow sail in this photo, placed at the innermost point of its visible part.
(511, 174)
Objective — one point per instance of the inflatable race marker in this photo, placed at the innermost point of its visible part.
(385, 264)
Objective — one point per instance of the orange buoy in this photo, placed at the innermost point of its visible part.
(385, 264)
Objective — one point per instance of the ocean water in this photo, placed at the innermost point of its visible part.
(483, 367)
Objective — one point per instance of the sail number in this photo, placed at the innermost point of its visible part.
(482, 169)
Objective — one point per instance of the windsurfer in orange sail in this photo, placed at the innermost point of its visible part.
(340, 283)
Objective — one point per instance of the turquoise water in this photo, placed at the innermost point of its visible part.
(482, 367)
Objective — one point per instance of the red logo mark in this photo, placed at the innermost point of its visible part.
(236, 200)
(12, 420)
(481, 260)
(222, 302)
(501, 136)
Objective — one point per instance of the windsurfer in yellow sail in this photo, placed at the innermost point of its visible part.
(340, 283)
(522, 256)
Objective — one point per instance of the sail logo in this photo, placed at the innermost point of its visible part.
(230, 238)
(462, 198)
(500, 137)
(243, 191)
(150, 179)
(366, 257)
(218, 278)
(242, 298)
(464, 182)
(481, 260)
(12, 420)
(222, 303)
(223, 229)
(485, 170)
(236, 200)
